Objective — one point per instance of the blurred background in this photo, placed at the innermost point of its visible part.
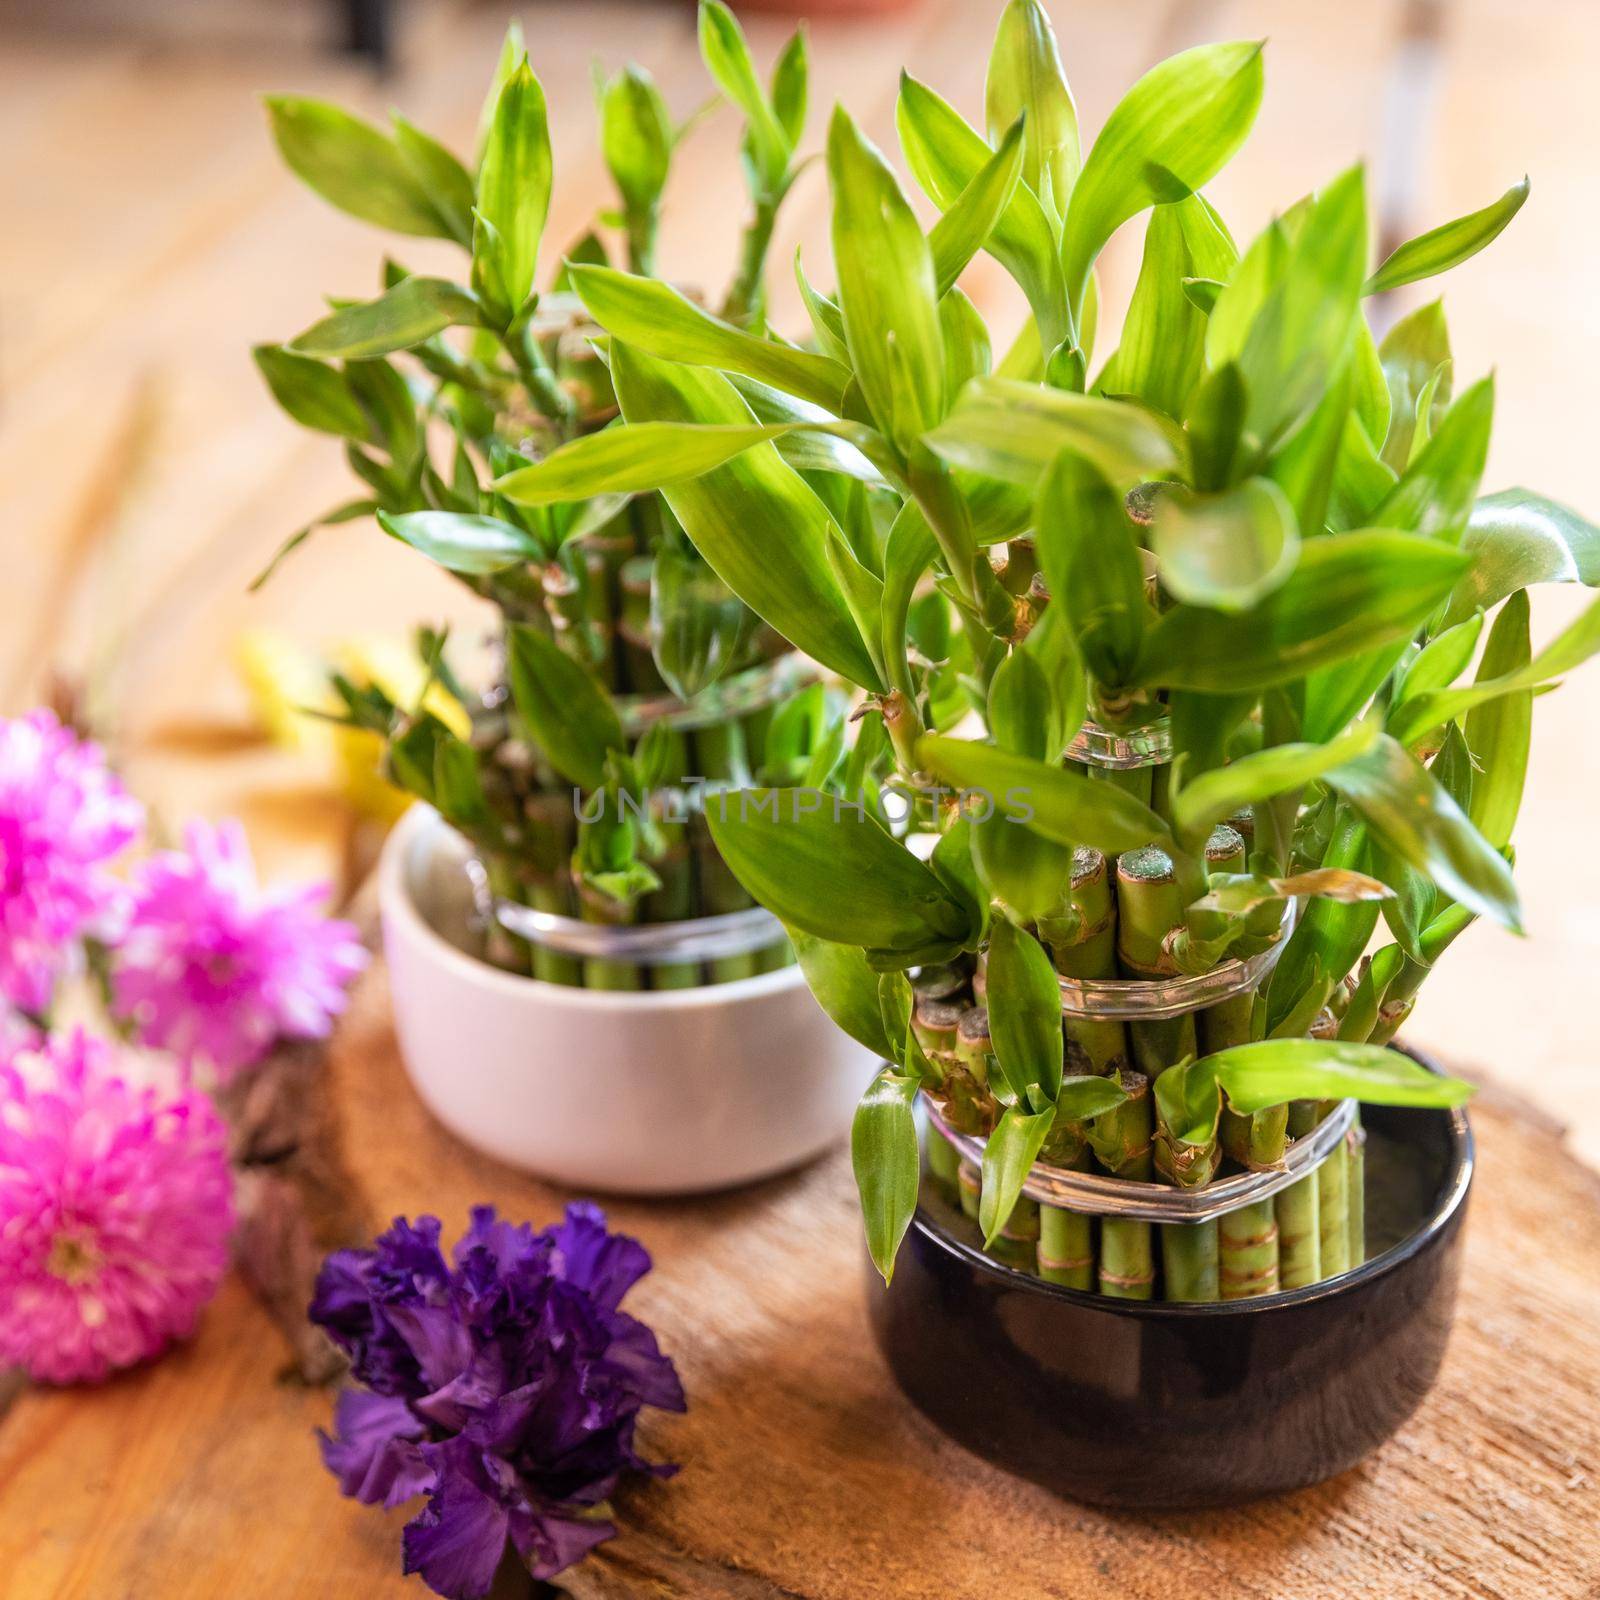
(151, 237)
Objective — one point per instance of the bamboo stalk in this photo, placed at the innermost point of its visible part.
(643, 676)
(1333, 1205)
(1082, 940)
(1066, 1247)
(1120, 1140)
(970, 1180)
(1150, 904)
(1298, 1215)
(1356, 1140)
(1190, 1261)
(675, 900)
(1248, 1243)
(1127, 1266)
(934, 1023)
(1017, 1243)
(720, 758)
(944, 1166)
(608, 972)
(551, 831)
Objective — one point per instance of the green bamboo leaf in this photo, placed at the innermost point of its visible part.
(887, 1166)
(1091, 561)
(1229, 550)
(447, 184)
(1008, 1154)
(1018, 867)
(1064, 806)
(964, 229)
(822, 866)
(1024, 1011)
(353, 166)
(827, 322)
(1407, 811)
(514, 181)
(816, 441)
(569, 715)
(909, 552)
(1574, 645)
(727, 59)
(631, 460)
(636, 137)
(863, 594)
(1447, 246)
(1020, 716)
(1361, 480)
(845, 987)
(1189, 1103)
(791, 74)
(1435, 494)
(1442, 660)
(1411, 902)
(1172, 132)
(387, 399)
(967, 353)
(1330, 935)
(696, 625)
(1088, 1096)
(731, 512)
(1051, 644)
(1014, 431)
(415, 309)
(1278, 769)
(1518, 539)
(1300, 336)
(653, 317)
(470, 545)
(1217, 409)
(1245, 292)
(1369, 384)
(945, 155)
(1025, 80)
(1498, 732)
(887, 291)
(1413, 352)
(1163, 336)
(1306, 464)
(1344, 594)
(1239, 894)
(313, 393)
(458, 785)
(1256, 1076)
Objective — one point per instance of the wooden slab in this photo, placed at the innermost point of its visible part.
(805, 1475)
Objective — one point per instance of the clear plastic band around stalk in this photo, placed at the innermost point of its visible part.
(735, 696)
(1139, 1200)
(1157, 999)
(645, 944)
(1123, 750)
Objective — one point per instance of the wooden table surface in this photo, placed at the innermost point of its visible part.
(145, 476)
(805, 1475)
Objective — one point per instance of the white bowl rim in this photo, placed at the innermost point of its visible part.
(395, 900)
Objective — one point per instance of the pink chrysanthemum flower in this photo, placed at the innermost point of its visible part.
(216, 969)
(63, 818)
(115, 1209)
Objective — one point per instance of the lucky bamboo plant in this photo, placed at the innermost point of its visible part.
(627, 667)
(1249, 544)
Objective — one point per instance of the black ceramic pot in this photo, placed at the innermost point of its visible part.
(1150, 1405)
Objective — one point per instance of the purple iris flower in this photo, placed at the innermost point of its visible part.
(504, 1384)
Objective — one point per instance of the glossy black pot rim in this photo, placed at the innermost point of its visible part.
(1463, 1162)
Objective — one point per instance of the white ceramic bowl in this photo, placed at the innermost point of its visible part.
(671, 1093)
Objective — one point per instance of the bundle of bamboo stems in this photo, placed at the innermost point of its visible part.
(1115, 919)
